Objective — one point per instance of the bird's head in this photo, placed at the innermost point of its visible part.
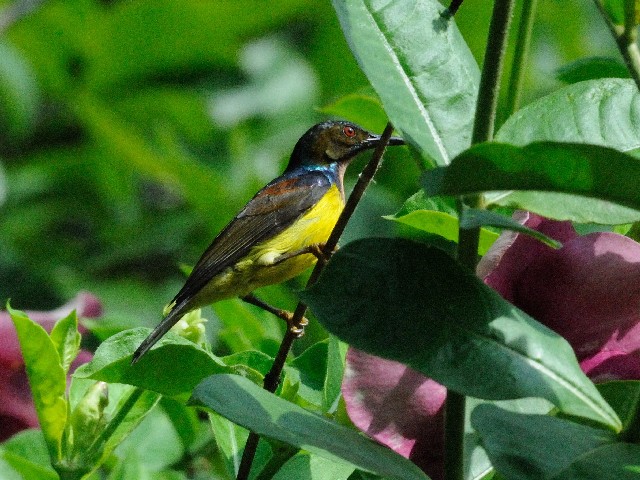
(333, 142)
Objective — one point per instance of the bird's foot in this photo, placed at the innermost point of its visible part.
(296, 328)
(316, 249)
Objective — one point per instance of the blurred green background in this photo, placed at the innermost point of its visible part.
(132, 131)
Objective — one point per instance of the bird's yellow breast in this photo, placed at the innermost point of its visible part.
(257, 268)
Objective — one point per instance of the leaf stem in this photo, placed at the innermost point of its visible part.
(468, 239)
(272, 378)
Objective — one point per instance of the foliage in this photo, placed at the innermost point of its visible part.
(132, 131)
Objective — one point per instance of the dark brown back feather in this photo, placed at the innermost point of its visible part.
(269, 212)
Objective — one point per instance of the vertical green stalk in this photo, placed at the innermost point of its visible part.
(483, 129)
(523, 41)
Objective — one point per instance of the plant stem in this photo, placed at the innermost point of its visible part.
(272, 378)
(625, 37)
(468, 239)
(117, 420)
(453, 7)
(523, 41)
(487, 106)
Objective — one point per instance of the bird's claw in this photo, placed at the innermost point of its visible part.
(297, 329)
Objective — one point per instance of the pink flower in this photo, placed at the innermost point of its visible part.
(16, 407)
(588, 291)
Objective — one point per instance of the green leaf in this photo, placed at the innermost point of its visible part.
(615, 10)
(331, 392)
(305, 466)
(184, 420)
(430, 96)
(47, 379)
(420, 201)
(249, 359)
(599, 112)
(443, 224)
(412, 303)
(476, 461)
(311, 367)
(86, 423)
(542, 447)
(246, 404)
(247, 328)
(363, 108)
(472, 218)
(587, 170)
(624, 397)
(121, 427)
(155, 442)
(123, 140)
(584, 112)
(66, 339)
(173, 367)
(592, 68)
(27, 455)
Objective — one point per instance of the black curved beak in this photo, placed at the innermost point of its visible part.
(373, 140)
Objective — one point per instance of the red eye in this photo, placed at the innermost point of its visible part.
(349, 131)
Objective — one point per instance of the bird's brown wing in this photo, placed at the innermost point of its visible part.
(269, 212)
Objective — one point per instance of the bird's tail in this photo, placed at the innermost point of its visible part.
(173, 313)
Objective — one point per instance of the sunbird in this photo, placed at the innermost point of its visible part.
(280, 232)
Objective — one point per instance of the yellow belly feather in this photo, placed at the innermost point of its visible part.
(257, 270)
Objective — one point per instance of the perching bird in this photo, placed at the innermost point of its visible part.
(269, 240)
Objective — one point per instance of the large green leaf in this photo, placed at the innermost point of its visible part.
(528, 447)
(428, 93)
(603, 112)
(246, 404)
(412, 303)
(173, 367)
(47, 379)
(586, 170)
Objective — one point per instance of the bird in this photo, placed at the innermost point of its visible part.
(280, 231)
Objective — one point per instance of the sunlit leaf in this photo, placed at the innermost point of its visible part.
(47, 379)
(586, 170)
(174, 366)
(429, 95)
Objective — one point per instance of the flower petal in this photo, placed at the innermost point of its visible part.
(398, 407)
(588, 292)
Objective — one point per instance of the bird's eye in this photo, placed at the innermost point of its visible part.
(349, 131)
